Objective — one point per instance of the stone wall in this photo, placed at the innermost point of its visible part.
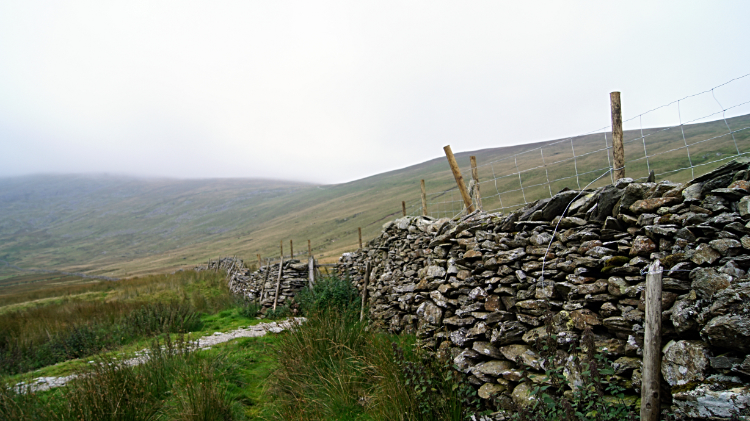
(260, 286)
(477, 290)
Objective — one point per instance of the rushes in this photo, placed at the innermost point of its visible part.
(175, 383)
(334, 367)
(35, 337)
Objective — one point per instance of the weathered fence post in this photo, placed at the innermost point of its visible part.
(424, 198)
(368, 268)
(459, 179)
(618, 151)
(281, 248)
(359, 229)
(475, 177)
(311, 270)
(403, 207)
(278, 283)
(309, 249)
(651, 383)
(263, 287)
(260, 262)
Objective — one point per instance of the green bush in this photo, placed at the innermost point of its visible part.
(249, 309)
(329, 293)
(281, 312)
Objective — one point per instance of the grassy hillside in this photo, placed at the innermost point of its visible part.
(119, 226)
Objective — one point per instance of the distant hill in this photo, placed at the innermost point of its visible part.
(121, 226)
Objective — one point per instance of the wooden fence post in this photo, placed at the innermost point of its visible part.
(291, 250)
(260, 262)
(403, 207)
(278, 283)
(309, 249)
(281, 248)
(368, 268)
(424, 198)
(651, 382)
(618, 151)
(475, 177)
(459, 179)
(311, 271)
(263, 287)
(359, 229)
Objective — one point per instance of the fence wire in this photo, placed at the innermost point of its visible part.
(682, 150)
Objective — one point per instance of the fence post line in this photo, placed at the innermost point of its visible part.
(475, 177)
(459, 179)
(281, 248)
(260, 262)
(291, 250)
(309, 249)
(651, 383)
(403, 207)
(368, 268)
(618, 150)
(424, 198)
(359, 229)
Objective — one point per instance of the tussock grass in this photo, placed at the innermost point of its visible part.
(72, 327)
(334, 367)
(176, 383)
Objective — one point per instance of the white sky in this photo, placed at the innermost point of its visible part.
(328, 92)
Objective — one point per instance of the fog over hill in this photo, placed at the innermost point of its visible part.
(119, 226)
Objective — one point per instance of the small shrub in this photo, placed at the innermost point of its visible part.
(327, 294)
(281, 312)
(249, 309)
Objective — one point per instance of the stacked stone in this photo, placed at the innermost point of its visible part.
(477, 290)
(260, 286)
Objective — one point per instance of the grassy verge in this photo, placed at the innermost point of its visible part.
(107, 316)
(334, 367)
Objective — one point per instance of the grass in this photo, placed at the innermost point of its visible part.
(336, 367)
(333, 367)
(107, 315)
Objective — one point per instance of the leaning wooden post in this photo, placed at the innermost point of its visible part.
(309, 249)
(281, 248)
(424, 198)
(364, 291)
(359, 229)
(651, 382)
(475, 177)
(291, 250)
(459, 179)
(265, 281)
(403, 207)
(278, 283)
(618, 151)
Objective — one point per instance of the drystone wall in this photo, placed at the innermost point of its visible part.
(477, 290)
(260, 286)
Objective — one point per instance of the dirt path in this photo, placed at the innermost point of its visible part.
(203, 343)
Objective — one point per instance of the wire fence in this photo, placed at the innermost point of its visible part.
(681, 139)
(681, 150)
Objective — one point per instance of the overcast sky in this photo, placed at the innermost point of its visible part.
(328, 92)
